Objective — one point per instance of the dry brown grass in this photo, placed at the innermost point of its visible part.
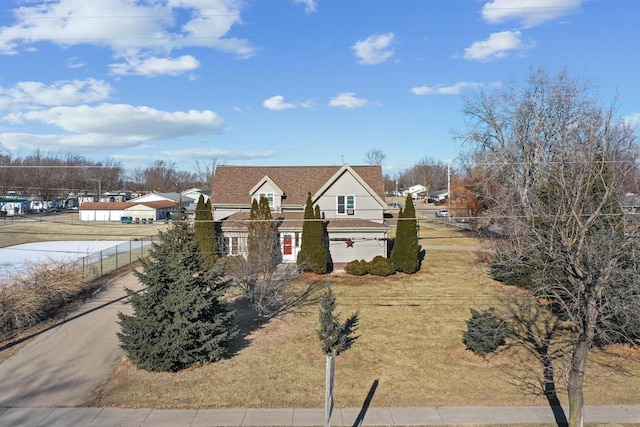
(410, 340)
(29, 232)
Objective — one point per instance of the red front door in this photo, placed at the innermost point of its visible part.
(288, 248)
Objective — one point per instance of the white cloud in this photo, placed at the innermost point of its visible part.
(131, 29)
(276, 103)
(445, 90)
(218, 153)
(154, 66)
(632, 120)
(122, 120)
(16, 141)
(347, 100)
(497, 46)
(75, 62)
(64, 92)
(374, 49)
(528, 12)
(310, 5)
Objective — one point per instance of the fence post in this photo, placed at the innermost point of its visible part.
(101, 263)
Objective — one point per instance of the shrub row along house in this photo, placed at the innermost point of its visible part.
(350, 198)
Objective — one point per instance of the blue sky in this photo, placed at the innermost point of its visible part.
(287, 82)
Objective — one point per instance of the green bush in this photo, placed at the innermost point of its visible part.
(381, 266)
(357, 267)
(485, 332)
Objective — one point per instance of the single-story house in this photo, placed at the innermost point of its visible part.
(438, 197)
(416, 191)
(137, 211)
(350, 198)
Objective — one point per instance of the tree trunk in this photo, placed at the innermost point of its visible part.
(576, 381)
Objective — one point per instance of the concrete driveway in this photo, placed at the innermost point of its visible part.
(61, 366)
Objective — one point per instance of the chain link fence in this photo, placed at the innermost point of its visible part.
(103, 262)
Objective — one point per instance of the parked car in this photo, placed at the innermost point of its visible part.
(442, 213)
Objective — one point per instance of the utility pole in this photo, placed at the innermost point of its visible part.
(449, 188)
(99, 181)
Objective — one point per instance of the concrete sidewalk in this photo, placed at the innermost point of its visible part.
(430, 416)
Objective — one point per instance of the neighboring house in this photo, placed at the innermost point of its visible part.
(138, 212)
(195, 193)
(351, 199)
(438, 197)
(416, 191)
(155, 197)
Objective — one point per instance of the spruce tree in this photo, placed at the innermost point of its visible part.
(180, 318)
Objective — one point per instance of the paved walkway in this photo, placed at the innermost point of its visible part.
(432, 416)
(61, 365)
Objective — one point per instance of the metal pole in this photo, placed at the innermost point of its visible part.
(448, 189)
(328, 397)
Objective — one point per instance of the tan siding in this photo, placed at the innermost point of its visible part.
(366, 206)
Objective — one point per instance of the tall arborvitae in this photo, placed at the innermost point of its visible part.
(180, 318)
(397, 250)
(262, 240)
(321, 256)
(205, 233)
(405, 252)
(313, 253)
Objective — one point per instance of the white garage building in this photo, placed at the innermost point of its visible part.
(137, 211)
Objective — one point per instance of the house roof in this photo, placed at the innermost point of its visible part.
(232, 184)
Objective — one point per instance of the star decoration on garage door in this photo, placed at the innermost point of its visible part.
(349, 243)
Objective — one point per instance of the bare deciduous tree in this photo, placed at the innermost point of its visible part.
(374, 157)
(206, 170)
(560, 163)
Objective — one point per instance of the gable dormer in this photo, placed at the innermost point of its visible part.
(268, 188)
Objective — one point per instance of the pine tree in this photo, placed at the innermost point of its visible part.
(335, 337)
(205, 233)
(405, 252)
(180, 318)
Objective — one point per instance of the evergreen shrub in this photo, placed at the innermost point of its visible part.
(485, 333)
(356, 267)
(380, 266)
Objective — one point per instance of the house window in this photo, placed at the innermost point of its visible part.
(346, 205)
(233, 245)
(269, 197)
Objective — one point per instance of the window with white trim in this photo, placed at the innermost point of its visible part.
(346, 205)
(232, 245)
(269, 197)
